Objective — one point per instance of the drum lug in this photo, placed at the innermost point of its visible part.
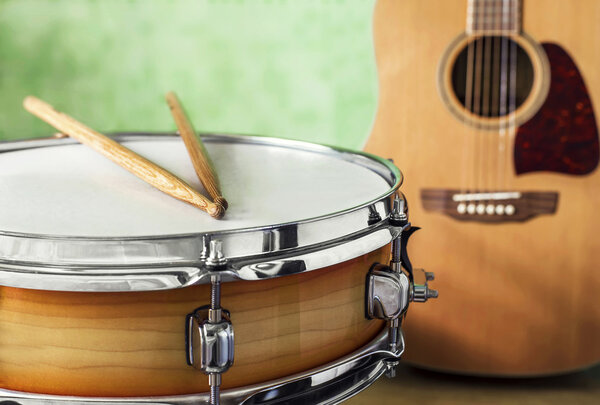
(387, 297)
(210, 344)
(389, 289)
(209, 331)
(387, 293)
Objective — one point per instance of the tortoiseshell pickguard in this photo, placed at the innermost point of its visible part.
(562, 136)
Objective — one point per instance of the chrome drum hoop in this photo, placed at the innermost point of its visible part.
(132, 264)
(328, 384)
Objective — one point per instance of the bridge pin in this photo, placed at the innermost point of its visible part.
(471, 209)
(489, 209)
(461, 208)
(510, 209)
(480, 209)
(499, 209)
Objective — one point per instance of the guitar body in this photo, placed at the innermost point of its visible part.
(517, 297)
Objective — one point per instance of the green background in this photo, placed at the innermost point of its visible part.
(299, 69)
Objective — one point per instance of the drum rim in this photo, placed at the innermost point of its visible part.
(16, 269)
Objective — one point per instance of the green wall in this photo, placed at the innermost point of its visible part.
(300, 69)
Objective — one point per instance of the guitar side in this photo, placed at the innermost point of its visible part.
(516, 298)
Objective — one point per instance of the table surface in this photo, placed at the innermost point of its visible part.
(413, 385)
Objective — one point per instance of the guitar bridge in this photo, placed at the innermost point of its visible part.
(490, 206)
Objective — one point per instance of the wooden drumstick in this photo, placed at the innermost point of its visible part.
(198, 154)
(126, 158)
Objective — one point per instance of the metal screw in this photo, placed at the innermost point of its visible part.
(390, 368)
(394, 330)
(205, 247)
(396, 253)
(215, 292)
(374, 216)
(215, 255)
(214, 380)
(215, 313)
(399, 208)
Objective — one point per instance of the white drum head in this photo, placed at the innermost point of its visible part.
(74, 191)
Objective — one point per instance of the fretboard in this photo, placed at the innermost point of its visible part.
(488, 17)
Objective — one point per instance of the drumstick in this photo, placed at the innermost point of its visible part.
(198, 154)
(144, 169)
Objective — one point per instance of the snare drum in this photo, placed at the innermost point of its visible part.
(113, 292)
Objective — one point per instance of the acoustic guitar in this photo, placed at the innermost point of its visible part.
(490, 109)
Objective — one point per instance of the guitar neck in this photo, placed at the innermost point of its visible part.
(493, 17)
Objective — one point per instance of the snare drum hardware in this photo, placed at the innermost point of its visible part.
(113, 292)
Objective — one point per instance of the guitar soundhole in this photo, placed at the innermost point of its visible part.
(500, 74)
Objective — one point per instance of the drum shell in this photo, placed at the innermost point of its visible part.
(133, 343)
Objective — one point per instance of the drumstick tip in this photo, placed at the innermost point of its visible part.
(34, 104)
(172, 99)
(216, 211)
(29, 101)
(222, 202)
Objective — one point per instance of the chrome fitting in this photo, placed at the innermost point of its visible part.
(205, 248)
(387, 293)
(210, 344)
(390, 367)
(420, 291)
(215, 258)
(374, 216)
(210, 340)
(399, 214)
(400, 224)
(396, 260)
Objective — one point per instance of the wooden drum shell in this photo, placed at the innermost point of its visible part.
(133, 343)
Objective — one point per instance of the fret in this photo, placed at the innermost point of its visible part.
(488, 17)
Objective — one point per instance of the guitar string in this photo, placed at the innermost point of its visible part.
(477, 98)
(485, 108)
(465, 177)
(502, 122)
(510, 78)
(478, 105)
(497, 23)
(512, 94)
